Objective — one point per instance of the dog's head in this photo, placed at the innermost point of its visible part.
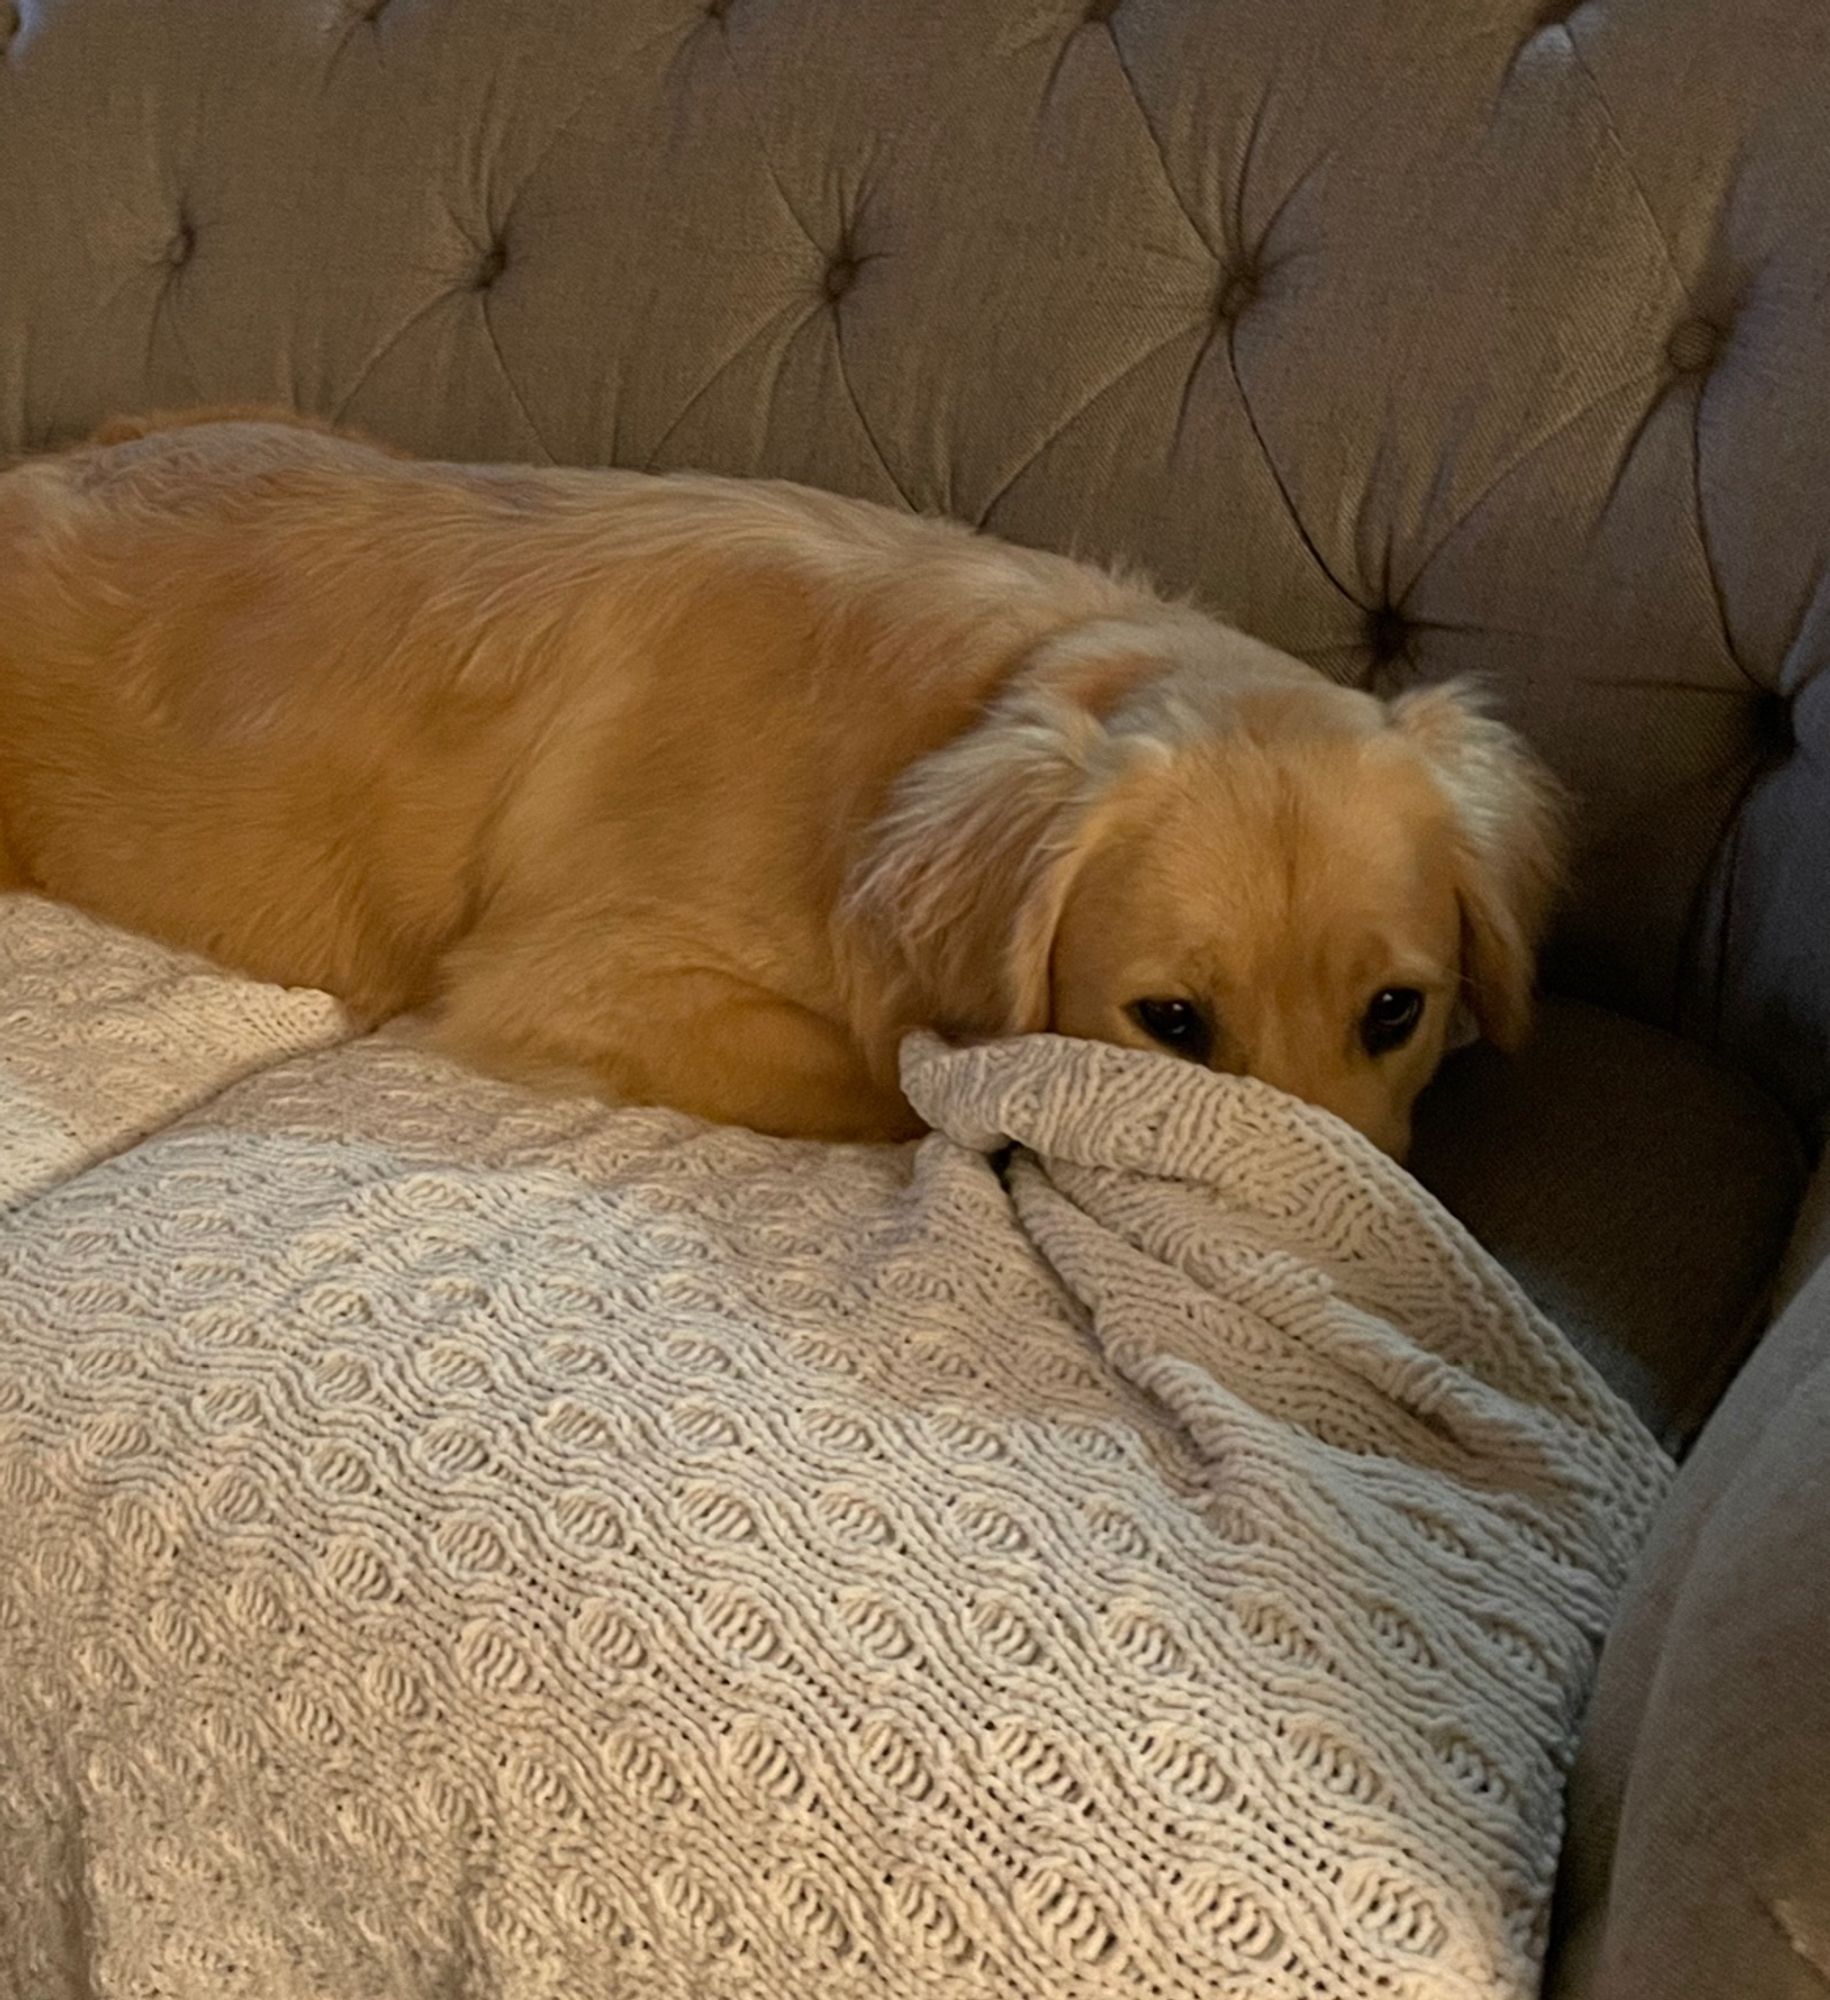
(1222, 855)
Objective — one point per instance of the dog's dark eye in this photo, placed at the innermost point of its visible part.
(1179, 1025)
(1391, 1019)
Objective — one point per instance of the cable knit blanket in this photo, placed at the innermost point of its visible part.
(459, 1544)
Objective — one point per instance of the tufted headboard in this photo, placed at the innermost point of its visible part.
(1418, 336)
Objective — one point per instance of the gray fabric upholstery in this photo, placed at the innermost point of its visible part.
(1419, 340)
(1638, 1189)
(1699, 1858)
(1809, 1248)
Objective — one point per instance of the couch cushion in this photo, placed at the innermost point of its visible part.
(1639, 1190)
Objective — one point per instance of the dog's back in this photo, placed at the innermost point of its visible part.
(230, 712)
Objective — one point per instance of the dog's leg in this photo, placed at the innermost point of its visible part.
(746, 1057)
(700, 1042)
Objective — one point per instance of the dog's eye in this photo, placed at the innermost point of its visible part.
(1179, 1025)
(1390, 1019)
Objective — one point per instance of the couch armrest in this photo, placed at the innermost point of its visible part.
(1699, 1849)
(1809, 1248)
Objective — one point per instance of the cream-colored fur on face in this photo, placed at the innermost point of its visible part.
(706, 791)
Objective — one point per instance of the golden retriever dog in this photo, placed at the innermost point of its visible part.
(703, 792)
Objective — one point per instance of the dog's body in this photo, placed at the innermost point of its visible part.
(710, 790)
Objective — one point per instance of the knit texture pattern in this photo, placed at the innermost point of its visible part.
(459, 1543)
(105, 1036)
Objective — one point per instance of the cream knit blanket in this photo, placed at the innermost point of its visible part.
(455, 1544)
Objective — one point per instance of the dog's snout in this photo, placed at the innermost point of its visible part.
(1293, 1065)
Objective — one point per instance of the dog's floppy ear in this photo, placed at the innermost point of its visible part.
(1509, 830)
(967, 872)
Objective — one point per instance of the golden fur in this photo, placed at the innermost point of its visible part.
(708, 790)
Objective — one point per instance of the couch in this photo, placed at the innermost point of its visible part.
(1420, 340)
